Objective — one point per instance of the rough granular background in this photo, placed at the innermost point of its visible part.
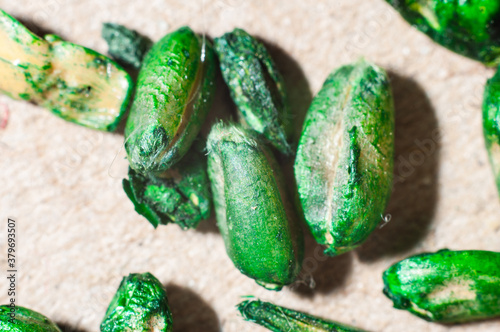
(79, 234)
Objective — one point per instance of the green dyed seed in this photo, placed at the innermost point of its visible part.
(256, 223)
(256, 86)
(345, 157)
(139, 305)
(469, 27)
(126, 46)
(447, 286)
(179, 195)
(174, 93)
(491, 123)
(74, 82)
(280, 319)
(25, 320)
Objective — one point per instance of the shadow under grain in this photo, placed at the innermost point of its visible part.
(415, 194)
(36, 28)
(190, 312)
(487, 321)
(223, 107)
(208, 226)
(321, 274)
(67, 327)
(296, 84)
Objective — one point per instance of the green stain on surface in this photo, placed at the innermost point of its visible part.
(74, 82)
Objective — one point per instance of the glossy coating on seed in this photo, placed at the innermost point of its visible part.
(258, 227)
(174, 93)
(256, 86)
(345, 156)
(26, 320)
(467, 27)
(139, 305)
(126, 46)
(74, 82)
(491, 123)
(280, 319)
(179, 195)
(447, 286)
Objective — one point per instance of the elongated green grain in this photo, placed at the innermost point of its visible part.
(345, 157)
(447, 286)
(174, 93)
(467, 27)
(281, 319)
(256, 223)
(256, 86)
(491, 123)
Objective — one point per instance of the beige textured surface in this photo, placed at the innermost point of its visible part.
(79, 234)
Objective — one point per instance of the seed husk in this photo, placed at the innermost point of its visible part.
(126, 46)
(74, 82)
(447, 286)
(280, 319)
(491, 123)
(179, 195)
(174, 93)
(469, 28)
(139, 305)
(25, 320)
(256, 87)
(344, 160)
(252, 209)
